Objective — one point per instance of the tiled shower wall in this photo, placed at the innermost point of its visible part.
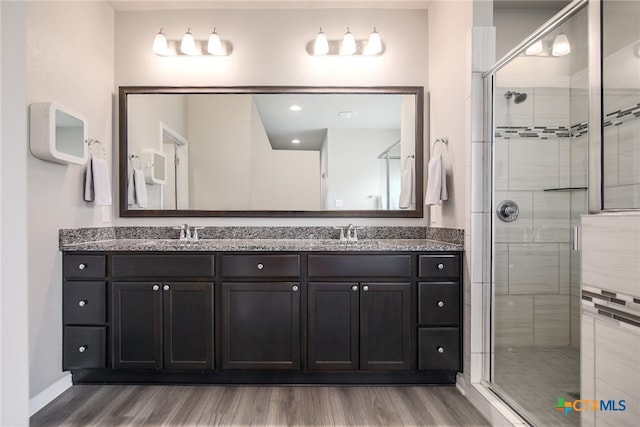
(541, 164)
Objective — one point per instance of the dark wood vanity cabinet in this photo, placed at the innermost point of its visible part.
(285, 317)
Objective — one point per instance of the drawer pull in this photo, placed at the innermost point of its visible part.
(440, 266)
(82, 303)
(440, 349)
(165, 287)
(295, 288)
(354, 288)
(365, 288)
(82, 266)
(260, 266)
(440, 304)
(82, 348)
(155, 287)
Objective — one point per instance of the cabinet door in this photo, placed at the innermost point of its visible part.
(261, 325)
(137, 325)
(333, 325)
(188, 325)
(385, 326)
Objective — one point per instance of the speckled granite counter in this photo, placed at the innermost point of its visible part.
(220, 239)
(229, 245)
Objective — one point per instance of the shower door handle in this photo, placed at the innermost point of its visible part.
(575, 238)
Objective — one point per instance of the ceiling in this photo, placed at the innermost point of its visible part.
(266, 4)
(322, 111)
(530, 4)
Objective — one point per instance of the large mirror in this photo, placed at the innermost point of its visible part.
(271, 151)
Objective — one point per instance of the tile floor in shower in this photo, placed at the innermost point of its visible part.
(535, 377)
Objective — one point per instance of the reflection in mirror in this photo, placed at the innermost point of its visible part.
(621, 104)
(287, 151)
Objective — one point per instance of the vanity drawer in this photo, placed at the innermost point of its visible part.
(260, 265)
(439, 303)
(439, 348)
(84, 347)
(359, 266)
(439, 265)
(84, 266)
(163, 266)
(84, 303)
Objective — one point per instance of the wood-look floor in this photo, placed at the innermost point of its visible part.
(151, 405)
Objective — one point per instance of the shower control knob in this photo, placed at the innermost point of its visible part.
(440, 304)
(508, 210)
(440, 349)
(82, 266)
(260, 266)
(440, 266)
(82, 303)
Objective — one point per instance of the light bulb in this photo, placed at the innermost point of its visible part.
(214, 46)
(188, 45)
(348, 44)
(561, 45)
(534, 49)
(160, 44)
(321, 45)
(374, 45)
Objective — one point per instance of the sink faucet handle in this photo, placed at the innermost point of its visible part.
(194, 234)
(342, 237)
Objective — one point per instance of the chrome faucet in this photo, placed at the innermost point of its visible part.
(352, 233)
(186, 233)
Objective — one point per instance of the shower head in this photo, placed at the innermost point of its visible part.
(518, 98)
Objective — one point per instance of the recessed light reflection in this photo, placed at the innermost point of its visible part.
(295, 108)
(295, 141)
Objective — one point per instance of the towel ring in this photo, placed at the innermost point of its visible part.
(91, 142)
(133, 157)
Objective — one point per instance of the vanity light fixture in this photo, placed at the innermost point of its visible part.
(160, 44)
(321, 44)
(191, 46)
(535, 49)
(347, 46)
(188, 45)
(561, 45)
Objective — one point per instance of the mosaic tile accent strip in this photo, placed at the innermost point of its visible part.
(618, 117)
(541, 132)
(613, 305)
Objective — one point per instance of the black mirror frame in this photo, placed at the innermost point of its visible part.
(124, 91)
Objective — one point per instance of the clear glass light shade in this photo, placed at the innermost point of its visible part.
(561, 45)
(188, 45)
(374, 45)
(348, 44)
(321, 45)
(160, 44)
(534, 49)
(214, 46)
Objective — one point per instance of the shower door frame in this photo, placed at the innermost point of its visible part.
(594, 191)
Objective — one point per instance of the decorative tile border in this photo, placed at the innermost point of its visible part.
(613, 305)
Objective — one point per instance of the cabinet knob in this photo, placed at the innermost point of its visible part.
(440, 266)
(82, 348)
(82, 303)
(295, 288)
(440, 349)
(82, 266)
(440, 304)
(354, 288)
(155, 287)
(165, 287)
(365, 288)
(260, 266)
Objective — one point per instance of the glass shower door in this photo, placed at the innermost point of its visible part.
(540, 181)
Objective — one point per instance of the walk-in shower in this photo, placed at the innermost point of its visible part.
(539, 192)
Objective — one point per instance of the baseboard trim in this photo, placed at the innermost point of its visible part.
(47, 395)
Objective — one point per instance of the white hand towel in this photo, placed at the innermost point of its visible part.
(437, 182)
(140, 188)
(101, 182)
(407, 194)
(131, 188)
(88, 183)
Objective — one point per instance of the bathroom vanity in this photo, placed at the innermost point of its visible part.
(262, 311)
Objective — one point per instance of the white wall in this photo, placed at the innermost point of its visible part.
(69, 60)
(449, 88)
(14, 373)
(269, 49)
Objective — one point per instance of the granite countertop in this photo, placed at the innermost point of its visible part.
(230, 245)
